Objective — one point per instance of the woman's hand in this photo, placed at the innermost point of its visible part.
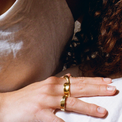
(38, 101)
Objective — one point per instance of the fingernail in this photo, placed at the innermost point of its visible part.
(101, 110)
(107, 79)
(111, 88)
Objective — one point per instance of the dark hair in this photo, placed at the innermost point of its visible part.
(99, 44)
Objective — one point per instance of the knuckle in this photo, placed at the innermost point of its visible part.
(91, 109)
(42, 97)
(98, 88)
(72, 102)
(101, 88)
(52, 79)
(36, 109)
(47, 88)
(81, 86)
(100, 79)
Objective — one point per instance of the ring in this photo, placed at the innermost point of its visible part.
(63, 103)
(67, 89)
(67, 78)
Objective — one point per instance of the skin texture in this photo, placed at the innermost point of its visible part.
(38, 101)
(31, 46)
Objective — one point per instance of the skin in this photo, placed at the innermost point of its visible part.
(14, 53)
(24, 59)
(38, 101)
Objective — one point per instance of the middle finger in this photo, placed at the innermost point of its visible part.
(82, 89)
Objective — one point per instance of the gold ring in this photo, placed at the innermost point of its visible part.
(67, 89)
(63, 103)
(67, 78)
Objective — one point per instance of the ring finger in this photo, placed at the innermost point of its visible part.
(78, 106)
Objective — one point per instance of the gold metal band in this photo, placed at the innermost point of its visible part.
(66, 93)
(63, 103)
(67, 78)
(67, 89)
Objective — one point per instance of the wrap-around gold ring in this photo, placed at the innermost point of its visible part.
(67, 89)
(67, 78)
(63, 103)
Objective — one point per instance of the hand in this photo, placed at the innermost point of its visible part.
(38, 101)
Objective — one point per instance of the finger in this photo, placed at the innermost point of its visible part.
(48, 116)
(83, 89)
(80, 89)
(91, 80)
(78, 106)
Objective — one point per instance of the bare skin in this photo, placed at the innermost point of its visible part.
(31, 72)
(38, 101)
(24, 60)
